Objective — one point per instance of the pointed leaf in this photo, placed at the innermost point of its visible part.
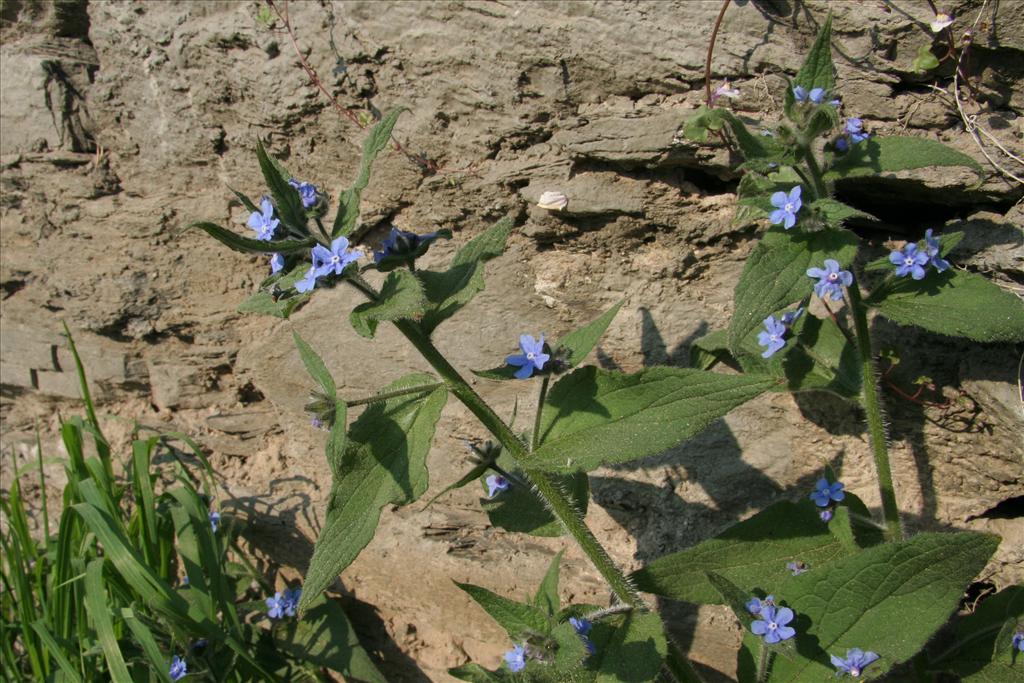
(628, 648)
(775, 275)
(977, 653)
(348, 202)
(956, 303)
(517, 619)
(287, 202)
(454, 288)
(710, 350)
(595, 417)
(547, 594)
(578, 343)
(752, 554)
(315, 366)
(97, 603)
(247, 245)
(818, 71)
(400, 297)
(855, 601)
(889, 154)
(521, 510)
(279, 297)
(835, 213)
(384, 463)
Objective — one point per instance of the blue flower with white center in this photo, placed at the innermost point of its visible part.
(214, 521)
(772, 624)
(263, 221)
(831, 280)
(932, 248)
(532, 356)
(824, 493)
(797, 567)
(772, 337)
(326, 261)
(516, 659)
(283, 604)
(583, 627)
(496, 484)
(856, 660)
(178, 669)
(910, 261)
(307, 193)
(786, 207)
(276, 263)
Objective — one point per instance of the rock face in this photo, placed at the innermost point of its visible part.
(123, 122)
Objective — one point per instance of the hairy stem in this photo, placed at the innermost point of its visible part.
(540, 412)
(762, 663)
(376, 398)
(819, 184)
(872, 402)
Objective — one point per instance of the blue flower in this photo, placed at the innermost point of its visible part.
(495, 484)
(789, 317)
(855, 129)
(1018, 641)
(817, 95)
(583, 627)
(755, 605)
(326, 261)
(826, 515)
(214, 520)
(283, 604)
(263, 221)
(856, 660)
(796, 567)
(910, 261)
(831, 280)
(799, 94)
(401, 247)
(933, 251)
(772, 336)
(276, 263)
(772, 624)
(824, 493)
(178, 669)
(786, 207)
(307, 193)
(532, 357)
(516, 659)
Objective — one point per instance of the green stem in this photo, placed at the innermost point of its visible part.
(540, 412)
(872, 403)
(762, 663)
(376, 398)
(812, 165)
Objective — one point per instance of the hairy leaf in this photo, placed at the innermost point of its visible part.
(889, 154)
(348, 202)
(516, 618)
(287, 202)
(941, 302)
(315, 366)
(980, 652)
(594, 417)
(401, 296)
(628, 648)
(247, 245)
(835, 213)
(384, 463)
(855, 602)
(775, 275)
(520, 509)
(449, 291)
(711, 349)
(817, 71)
(752, 554)
(547, 594)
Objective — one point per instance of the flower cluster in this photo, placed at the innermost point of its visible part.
(283, 604)
(496, 484)
(853, 133)
(326, 261)
(911, 260)
(773, 336)
(532, 357)
(786, 207)
(772, 626)
(583, 627)
(831, 280)
(856, 660)
(178, 669)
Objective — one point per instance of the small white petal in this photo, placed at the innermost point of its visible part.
(942, 20)
(556, 201)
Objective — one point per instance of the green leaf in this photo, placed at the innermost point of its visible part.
(775, 275)
(822, 359)
(517, 619)
(925, 59)
(474, 673)
(595, 417)
(711, 349)
(324, 637)
(401, 296)
(521, 510)
(569, 351)
(976, 653)
(956, 303)
(315, 366)
(449, 291)
(947, 242)
(97, 603)
(856, 601)
(818, 71)
(384, 463)
(348, 202)
(287, 202)
(338, 439)
(889, 154)
(282, 299)
(547, 594)
(752, 146)
(247, 245)
(835, 213)
(249, 204)
(752, 554)
(629, 647)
